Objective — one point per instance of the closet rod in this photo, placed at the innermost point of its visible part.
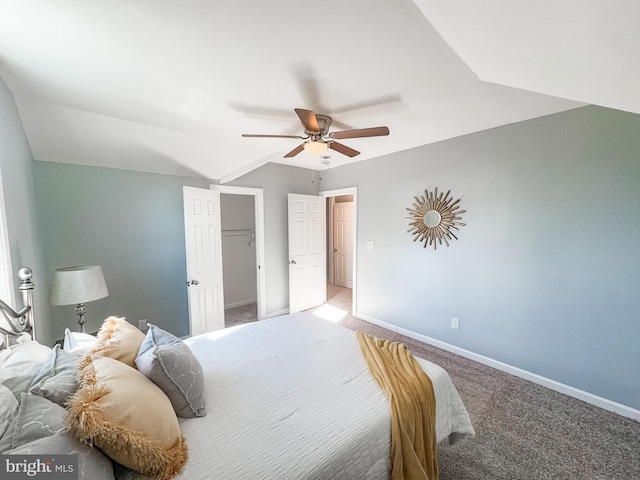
(241, 232)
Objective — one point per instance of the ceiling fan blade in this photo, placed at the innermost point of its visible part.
(295, 151)
(308, 119)
(338, 147)
(361, 132)
(259, 135)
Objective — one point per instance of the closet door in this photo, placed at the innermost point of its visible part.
(204, 259)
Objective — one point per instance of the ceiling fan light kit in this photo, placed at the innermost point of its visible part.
(318, 138)
(316, 147)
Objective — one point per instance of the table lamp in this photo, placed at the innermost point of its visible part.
(77, 286)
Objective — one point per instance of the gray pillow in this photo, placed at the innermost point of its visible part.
(56, 379)
(37, 418)
(169, 363)
(92, 464)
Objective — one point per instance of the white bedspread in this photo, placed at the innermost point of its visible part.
(291, 398)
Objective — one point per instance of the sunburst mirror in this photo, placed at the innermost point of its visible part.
(433, 217)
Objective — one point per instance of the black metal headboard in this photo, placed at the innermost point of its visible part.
(12, 323)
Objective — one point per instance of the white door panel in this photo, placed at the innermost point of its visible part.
(204, 259)
(307, 265)
(343, 244)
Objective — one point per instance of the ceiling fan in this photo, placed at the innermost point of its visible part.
(317, 137)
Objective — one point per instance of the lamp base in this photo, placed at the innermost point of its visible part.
(81, 309)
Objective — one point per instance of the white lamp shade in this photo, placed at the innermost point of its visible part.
(74, 285)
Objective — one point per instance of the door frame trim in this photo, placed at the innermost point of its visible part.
(350, 191)
(258, 196)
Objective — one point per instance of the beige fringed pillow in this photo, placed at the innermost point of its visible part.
(127, 416)
(119, 339)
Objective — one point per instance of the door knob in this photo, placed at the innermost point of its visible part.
(335, 250)
(193, 282)
(292, 262)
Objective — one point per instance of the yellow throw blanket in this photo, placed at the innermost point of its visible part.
(413, 407)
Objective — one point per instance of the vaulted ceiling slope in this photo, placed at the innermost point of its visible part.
(584, 50)
(169, 87)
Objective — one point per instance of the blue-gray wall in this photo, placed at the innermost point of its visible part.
(132, 224)
(16, 166)
(546, 273)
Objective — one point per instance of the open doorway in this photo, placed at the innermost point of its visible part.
(341, 247)
(238, 236)
(242, 244)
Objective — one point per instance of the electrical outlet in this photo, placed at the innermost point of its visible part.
(455, 323)
(142, 325)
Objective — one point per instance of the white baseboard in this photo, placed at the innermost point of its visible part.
(240, 304)
(601, 402)
(278, 313)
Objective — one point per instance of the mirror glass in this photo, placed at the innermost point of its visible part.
(432, 218)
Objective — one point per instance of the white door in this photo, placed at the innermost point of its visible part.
(343, 244)
(307, 256)
(204, 259)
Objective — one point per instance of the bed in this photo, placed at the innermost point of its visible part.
(286, 398)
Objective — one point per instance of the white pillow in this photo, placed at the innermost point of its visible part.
(78, 342)
(7, 352)
(27, 352)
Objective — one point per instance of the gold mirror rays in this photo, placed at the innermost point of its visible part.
(430, 232)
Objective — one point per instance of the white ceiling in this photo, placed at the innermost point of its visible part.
(169, 86)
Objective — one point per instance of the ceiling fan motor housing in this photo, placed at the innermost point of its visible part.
(324, 123)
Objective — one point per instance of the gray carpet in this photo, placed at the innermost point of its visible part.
(243, 314)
